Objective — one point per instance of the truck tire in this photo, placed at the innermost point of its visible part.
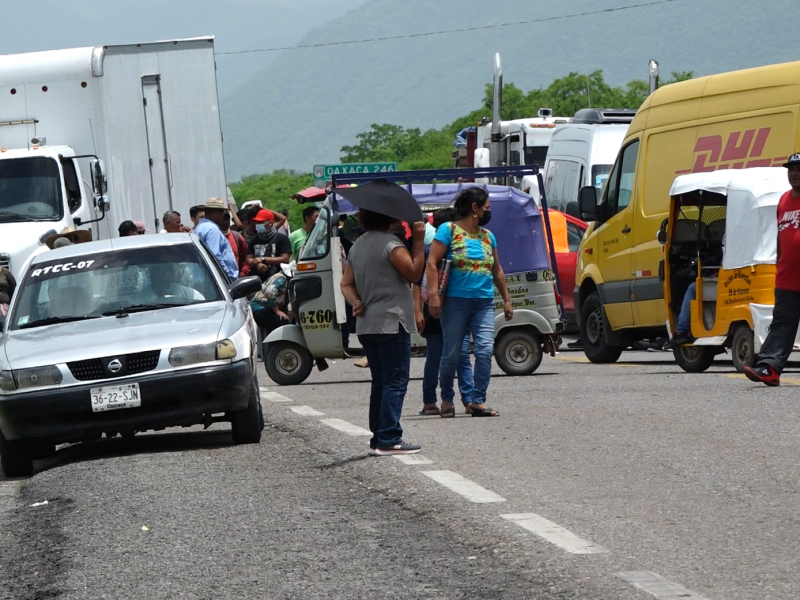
(593, 332)
(518, 352)
(246, 425)
(16, 457)
(288, 363)
(742, 348)
(694, 359)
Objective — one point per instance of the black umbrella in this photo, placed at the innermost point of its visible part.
(383, 197)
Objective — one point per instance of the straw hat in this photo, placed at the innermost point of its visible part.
(76, 236)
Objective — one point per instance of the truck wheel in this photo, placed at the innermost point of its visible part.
(288, 363)
(742, 349)
(246, 425)
(694, 359)
(593, 332)
(43, 449)
(518, 352)
(16, 457)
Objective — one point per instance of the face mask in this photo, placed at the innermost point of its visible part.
(261, 230)
(485, 218)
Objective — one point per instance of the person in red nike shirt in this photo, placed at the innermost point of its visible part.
(786, 315)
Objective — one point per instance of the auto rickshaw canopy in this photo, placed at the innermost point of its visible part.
(751, 198)
(517, 222)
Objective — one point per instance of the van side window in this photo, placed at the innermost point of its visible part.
(620, 182)
(561, 187)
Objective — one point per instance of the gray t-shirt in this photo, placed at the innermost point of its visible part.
(385, 293)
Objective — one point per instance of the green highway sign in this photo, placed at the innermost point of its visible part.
(324, 173)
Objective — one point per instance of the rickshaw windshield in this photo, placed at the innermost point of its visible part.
(318, 242)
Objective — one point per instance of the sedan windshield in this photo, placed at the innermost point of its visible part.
(30, 190)
(114, 283)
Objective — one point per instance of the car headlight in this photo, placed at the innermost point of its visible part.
(7, 383)
(192, 355)
(38, 377)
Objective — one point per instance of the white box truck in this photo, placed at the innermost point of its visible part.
(91, 137)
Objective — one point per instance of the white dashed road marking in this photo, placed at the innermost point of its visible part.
(555, 534)
(346, 427)
(469, 489)
(275, 397)
(657, 586)
(306, 411)
(414, 459)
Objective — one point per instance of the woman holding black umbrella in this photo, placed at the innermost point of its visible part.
(376, 284)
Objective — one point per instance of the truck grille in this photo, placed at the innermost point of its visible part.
(93, 368)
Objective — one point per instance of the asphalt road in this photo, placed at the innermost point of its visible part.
(600, 482)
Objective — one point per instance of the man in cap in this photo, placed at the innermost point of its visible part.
(209, 230)
(140, 227)
(786, 315)
(269, 249)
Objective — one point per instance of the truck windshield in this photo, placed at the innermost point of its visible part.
(109, 284)
(30, 190)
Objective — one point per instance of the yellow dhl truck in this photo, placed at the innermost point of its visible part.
(732, 120)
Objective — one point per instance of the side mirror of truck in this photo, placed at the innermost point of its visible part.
(99, 181)
(572, 209)
(587, 201)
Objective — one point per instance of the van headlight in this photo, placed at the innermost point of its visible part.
(38, 377)
(192, 355)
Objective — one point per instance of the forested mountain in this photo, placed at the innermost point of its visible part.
(310, 102)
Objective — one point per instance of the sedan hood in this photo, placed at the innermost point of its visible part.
(107, 336)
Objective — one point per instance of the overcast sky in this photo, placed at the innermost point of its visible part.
(31, 25)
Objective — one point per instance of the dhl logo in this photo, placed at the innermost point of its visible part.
(743, 149)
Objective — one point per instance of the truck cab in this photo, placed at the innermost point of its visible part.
(42, 191)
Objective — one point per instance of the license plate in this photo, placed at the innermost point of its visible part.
(115, 397)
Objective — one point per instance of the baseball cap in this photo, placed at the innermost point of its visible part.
(140, 227)
(794, 159)
(263, 216)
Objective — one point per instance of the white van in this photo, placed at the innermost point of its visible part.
(581, 154)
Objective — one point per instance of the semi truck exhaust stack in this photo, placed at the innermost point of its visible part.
(497, 105)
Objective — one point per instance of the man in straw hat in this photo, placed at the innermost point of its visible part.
(68, 236)
(208, 229)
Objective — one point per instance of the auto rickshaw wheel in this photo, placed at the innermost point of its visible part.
(742, 348)
(593, 332)
(694, 359)
(288, 363)
(518, 352)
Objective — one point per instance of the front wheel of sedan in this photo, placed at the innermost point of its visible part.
(246, 425)
(16, 457)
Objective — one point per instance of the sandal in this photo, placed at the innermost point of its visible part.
(448, 413)
(429, 410)
(485, 411)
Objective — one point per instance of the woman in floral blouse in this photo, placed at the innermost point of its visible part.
(468, 304)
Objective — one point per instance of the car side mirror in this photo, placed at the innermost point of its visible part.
(587, 202)
(572, 209)
(244, 287)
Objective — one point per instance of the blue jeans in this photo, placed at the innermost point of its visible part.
(433, 360)
(389, 357)
(685, 316)
(460, 315)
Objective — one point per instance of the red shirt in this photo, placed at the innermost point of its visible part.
(787, 276)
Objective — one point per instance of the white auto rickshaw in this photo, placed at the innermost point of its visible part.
(721, 235)
(520, 228)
